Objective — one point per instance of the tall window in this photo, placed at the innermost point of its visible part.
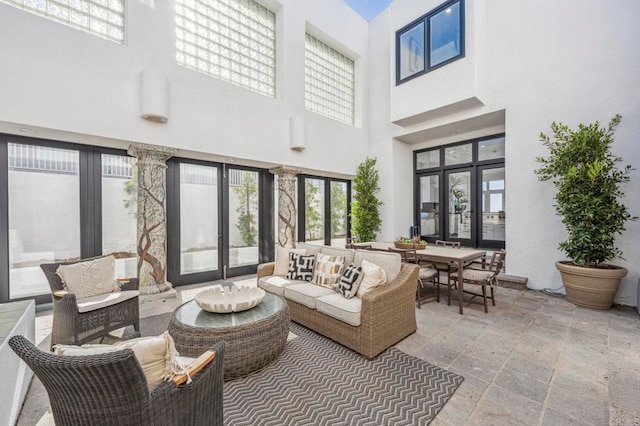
(233, 40)
(329, 81)
(460, 192)
(430, 41)
(104, 18)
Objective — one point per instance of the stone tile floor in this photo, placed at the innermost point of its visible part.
(534, 359)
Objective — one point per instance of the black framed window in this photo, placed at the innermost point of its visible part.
(324, 206)
(460, 192)
(431, 41)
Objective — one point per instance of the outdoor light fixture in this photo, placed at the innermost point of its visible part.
(154, 96)
(297, 137)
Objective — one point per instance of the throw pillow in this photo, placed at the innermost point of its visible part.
(374, 276)
(328, 270)
(90, 278)
(350, 280)
(300, 267)
(282, 260)
(157, 355)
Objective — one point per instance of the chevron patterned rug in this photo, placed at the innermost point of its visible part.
(316, 381)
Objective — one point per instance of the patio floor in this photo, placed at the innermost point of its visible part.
(534, 359)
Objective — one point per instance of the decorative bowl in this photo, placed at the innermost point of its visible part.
(229, 299)
(410, 246)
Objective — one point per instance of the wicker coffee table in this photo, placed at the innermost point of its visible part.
(254, 337)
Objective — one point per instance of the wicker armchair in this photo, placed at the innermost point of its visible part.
(76, 325)
(111, 389)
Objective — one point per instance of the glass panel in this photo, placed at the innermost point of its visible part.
(444, 36)
(44, 214)
(459, 154)
(119, 210)
(493, 203)
(429, 206)
(243, 217)
(428, 159)
(233, 40)
(314, 211)
(490, 149)
(329, 81)
(101, 18)
(459, 205)
(412, 51)
(338, 214)
(198, 218)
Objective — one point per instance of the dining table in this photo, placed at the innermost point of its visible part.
(431, 253)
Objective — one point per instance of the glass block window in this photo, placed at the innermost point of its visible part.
(233, 40)
(329, 81)
(104, 18)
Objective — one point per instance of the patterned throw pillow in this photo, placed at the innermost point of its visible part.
(90, 278)
(328, 270)
(350, 280)
(300, 267)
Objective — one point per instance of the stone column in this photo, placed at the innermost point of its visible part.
(287, 213)
(152, 230)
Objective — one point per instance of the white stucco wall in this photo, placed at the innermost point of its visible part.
(55, 78)
(573, 61)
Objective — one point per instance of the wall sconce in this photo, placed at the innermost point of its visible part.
(297, 136)
(154, 96)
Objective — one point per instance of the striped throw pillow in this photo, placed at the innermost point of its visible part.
(328, 270)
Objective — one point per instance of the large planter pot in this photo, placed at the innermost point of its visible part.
(591, 287)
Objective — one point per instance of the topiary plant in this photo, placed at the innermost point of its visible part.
(585, 173)
(365, 215)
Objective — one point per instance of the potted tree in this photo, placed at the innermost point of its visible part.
(365, 215)
(588, 198)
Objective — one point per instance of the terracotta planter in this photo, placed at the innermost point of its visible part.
(591, 287)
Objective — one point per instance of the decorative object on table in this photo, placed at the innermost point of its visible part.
(414, 243)
(583, 169)
(229, 299)
(365, 214)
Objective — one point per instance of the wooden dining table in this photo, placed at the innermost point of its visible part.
(432, 253)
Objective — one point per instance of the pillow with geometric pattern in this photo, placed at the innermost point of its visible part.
(90, 278)
(350, 281)
(300, 267)
(328, 270)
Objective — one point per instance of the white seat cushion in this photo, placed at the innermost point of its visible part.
(276, 285)
(306, 293)
(90, 277)
(103, 300)
(475, 275)
(348, 254)
(391, 263)
(345, 310)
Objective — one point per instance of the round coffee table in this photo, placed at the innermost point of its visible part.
(254, 338)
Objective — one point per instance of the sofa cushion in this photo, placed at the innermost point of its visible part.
(156, 355)
(310, 248)
(300, 267)
(276, 285)
(282, 259)
(390, 262)
(92, 303)
(350, 280)
(374, 276)
(327, 270)
(306, 293)
(333, 251)
(90, 278)
(345, 310)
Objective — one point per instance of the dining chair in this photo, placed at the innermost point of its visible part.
(447, 267)
(482, 274)
(426, 274)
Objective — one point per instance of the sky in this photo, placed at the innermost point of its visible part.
(368, 8)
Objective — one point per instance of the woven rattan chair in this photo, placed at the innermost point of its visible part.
(111, 389)
(75, 324)
(484, 275)
(426, 274)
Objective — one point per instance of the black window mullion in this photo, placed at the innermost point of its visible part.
(327, 212)
(224, 247)
(4, 220)
(302, 222)
(90, 232)
(173, 220)
(266, 232)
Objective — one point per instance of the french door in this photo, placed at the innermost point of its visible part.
(459, 206)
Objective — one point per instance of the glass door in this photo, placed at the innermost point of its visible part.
(458, 219)
(242, 201)
(492, 217)
(429, 207)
